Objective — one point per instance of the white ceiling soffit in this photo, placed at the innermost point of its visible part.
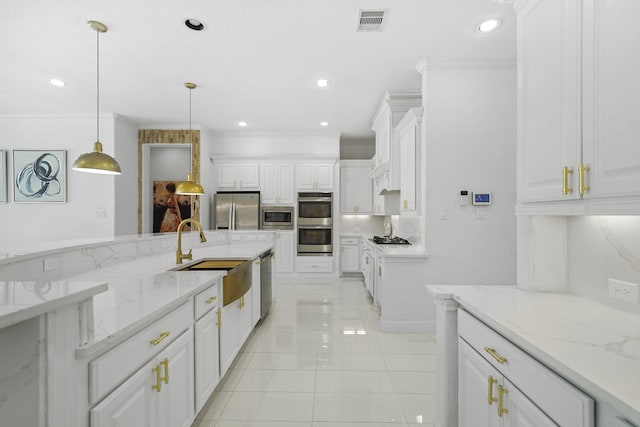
(370, 20)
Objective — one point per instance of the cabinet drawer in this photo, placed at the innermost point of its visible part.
(112, 368)
(207, 300)
(349, 241)
(560, 400)
(315, 266)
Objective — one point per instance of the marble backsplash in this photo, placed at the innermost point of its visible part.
(602, 248)
(72, 259)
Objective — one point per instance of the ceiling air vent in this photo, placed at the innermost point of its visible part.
(370, 20)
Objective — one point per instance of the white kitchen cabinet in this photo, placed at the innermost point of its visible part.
(277, 183)
(356, 188)
(392, 108)
(577, 91)
(367, 251)
(317, 175)
(159, 394)
(501, 385)
(410, 135)
(207, 347)
(232, 175)
(487, 399)
(236, 325)
(285, 244)
(207, 357)
(350, 254)
(314, 264)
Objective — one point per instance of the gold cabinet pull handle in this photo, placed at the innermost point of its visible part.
(165, 363)
(158, 385)
(406, 204)
(582, 187)
(495, 355)
(501, 409)
(219, 324)
(160, 338)
(565, 180)
(491, 381)
(210, 300)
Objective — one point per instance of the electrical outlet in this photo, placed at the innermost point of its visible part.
(101, 213)
(50, 264)
(624, 291)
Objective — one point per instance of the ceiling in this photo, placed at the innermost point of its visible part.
(256, 61)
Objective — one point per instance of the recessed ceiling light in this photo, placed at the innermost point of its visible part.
(489, 25)
(322, 82)
(57, 82)
(324, 123)
(194, 24)
(242, 124)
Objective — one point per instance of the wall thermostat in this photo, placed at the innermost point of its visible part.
(481, 199)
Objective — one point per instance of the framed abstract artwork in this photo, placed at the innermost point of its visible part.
(3, 176)
(39, 176)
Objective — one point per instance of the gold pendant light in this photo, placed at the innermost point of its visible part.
(97, 161)
(190, 187)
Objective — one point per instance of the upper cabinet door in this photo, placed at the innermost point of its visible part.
(269, 183)
(226, 175)
(248, 176)
(549, 104)
(238, 176)
(286, 192)
(324, 176)
(611, 97)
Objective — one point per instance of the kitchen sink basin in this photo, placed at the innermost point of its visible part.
(237, 281)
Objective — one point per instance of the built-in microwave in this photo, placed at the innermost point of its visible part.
(276, 218)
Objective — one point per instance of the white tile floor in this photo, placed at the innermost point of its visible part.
(320, 360)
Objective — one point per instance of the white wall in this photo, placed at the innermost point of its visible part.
(469, 128)
(273, 145)
(24, 225)
(126, 185)
(599, 248)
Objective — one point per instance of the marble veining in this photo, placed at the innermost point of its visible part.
(618, 246)
(593, 345)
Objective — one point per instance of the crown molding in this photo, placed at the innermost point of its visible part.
(498, 63)
(516, 4)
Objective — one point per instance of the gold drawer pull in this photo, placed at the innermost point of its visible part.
(491, 382)
(210, 300)
(158, 385)
(495, 355)
(219, 324)
(501, 409)
(160, 338)
(165, 362)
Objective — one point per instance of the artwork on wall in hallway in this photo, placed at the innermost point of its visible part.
(39, 176)
(3, 176)
(169, 208)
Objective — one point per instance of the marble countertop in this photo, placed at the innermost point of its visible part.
(22, 300)
(141, 291)
(594, 346)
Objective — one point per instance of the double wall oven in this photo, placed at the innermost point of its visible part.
(315, 223)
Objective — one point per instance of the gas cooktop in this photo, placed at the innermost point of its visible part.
(387, 240)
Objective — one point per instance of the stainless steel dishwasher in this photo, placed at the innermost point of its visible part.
(265, 283)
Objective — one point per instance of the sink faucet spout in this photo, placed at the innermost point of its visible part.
(179, 255)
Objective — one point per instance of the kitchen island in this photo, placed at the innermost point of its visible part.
(84, 353)
(587, 349)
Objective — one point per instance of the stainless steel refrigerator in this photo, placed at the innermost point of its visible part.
(236, 210)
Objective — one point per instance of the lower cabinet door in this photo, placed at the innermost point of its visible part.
(228, 336)
(245, 318)
(207, 374)
(477, 389)
(521, 411)
(134, 403)
(175, 399)
(160, 394)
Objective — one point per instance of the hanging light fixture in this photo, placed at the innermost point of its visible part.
(189, 187)
(97, 161)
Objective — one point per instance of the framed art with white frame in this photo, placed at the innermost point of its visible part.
(39, 176)
(3, 176)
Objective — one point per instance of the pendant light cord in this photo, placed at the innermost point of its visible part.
(97, 86)
(190, 135)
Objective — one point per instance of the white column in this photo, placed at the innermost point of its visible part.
(447, 363)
